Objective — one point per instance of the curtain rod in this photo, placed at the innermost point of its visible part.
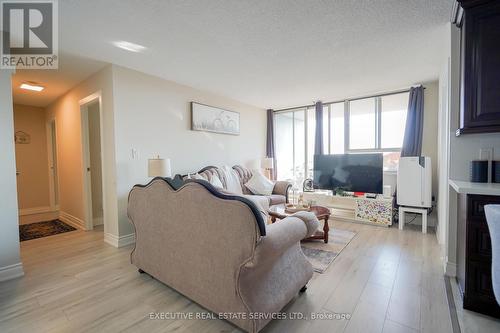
(347, 99)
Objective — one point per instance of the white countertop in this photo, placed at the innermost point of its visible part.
(475, 188)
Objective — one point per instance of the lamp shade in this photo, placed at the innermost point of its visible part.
(267, 163)
(159, 167)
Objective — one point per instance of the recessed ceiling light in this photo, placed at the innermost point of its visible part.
(132, 47)
(29, 86)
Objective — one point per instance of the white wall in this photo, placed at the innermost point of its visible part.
(153, 116)
(10, 261)
(66, 111)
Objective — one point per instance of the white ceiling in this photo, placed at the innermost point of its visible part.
(268, 53)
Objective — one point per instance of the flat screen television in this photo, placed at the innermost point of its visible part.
(351, 172)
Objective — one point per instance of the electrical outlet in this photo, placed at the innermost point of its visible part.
(486, 154)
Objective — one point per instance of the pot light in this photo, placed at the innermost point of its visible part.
(132, 47)
(29, 86)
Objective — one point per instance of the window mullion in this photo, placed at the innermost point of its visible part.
(378, 123)
(306, 141)
(293, 145)
(329, 129)
(346, 125)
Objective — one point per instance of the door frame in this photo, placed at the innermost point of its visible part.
(53, 182)
(442, 230)
(86, 176)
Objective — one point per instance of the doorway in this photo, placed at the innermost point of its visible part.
(34, 139)
(92, 148)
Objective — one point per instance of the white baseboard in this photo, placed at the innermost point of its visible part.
(119, 241)
(98, 221)
(11, 272)
(35, 210)
(450, 268)
(72, 220)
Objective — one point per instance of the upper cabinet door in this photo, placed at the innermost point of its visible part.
(480, 77)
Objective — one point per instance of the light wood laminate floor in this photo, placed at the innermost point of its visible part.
(387, 280)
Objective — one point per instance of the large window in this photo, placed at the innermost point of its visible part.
(373, 124)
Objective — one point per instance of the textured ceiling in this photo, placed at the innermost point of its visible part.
(269, 53)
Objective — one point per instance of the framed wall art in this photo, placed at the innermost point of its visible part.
(213, 119)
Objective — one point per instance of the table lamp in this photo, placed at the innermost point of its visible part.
(267, 163)
(159, 167)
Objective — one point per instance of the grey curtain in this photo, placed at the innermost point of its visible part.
(318, 139)
(412, 142)
(270, 145)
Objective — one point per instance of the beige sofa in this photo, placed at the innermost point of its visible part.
(217, 250)
(280, 191)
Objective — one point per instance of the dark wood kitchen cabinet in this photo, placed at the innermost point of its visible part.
(474, 254)
(479, 21)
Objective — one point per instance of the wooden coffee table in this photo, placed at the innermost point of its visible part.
(322, 213)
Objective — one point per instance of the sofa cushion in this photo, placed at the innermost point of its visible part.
(259, 184)
(277, 199)
(232, 181)
(207, 174)
(244, 176)
(262, 203)
(215, 181)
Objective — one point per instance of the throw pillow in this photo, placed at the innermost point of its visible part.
(233, 184)
(215, 181)
(259, 184)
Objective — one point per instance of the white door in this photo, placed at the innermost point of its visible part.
(95, 163)
(92, 161)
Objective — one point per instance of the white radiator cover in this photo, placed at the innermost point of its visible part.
(414, 181)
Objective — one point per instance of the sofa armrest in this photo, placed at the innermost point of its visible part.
(282, 235)
(282, 187)
(310, 220)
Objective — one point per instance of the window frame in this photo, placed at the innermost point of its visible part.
(293, 111)
(378, 127)
(327, 147)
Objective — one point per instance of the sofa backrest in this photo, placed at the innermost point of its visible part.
(208, 172)
(202, 235)
(177, 184)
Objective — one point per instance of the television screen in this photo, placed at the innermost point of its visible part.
(350, 172)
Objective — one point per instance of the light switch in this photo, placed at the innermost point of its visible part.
(135, 154)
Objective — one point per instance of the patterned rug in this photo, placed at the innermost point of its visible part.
(321, 255)
(43, 229)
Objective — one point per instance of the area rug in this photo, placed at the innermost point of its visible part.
(321, 255)
(43, 229)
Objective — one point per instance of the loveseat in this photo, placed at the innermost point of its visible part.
(217, 250)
